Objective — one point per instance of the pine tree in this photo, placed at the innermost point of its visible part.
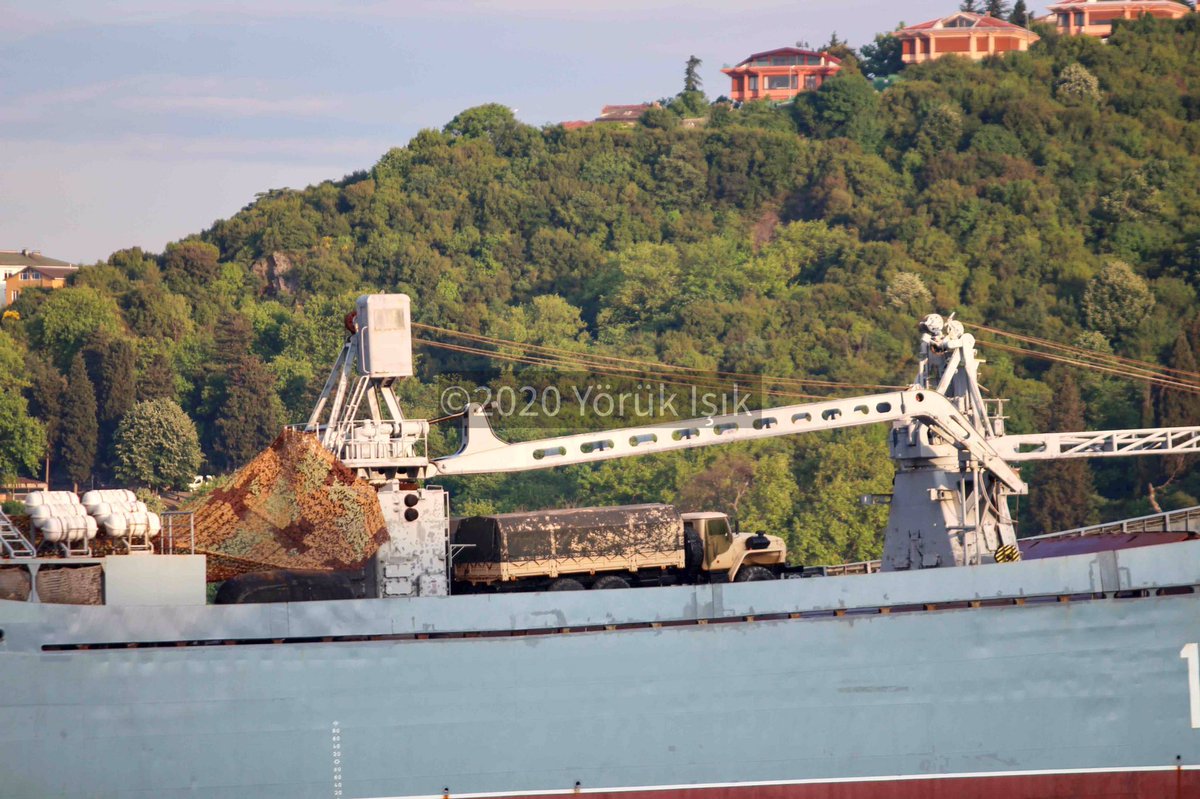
(1061, 492)
(111, 365)
(971, 7)
(1020, 14)
(996, 8)
(691, 75)
(79, 431)
(47, 389)
(1179, 408)
(248, 419)
(157, 380)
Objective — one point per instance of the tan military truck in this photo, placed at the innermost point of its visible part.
(613, 547)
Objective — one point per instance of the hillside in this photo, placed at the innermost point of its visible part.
(1055, 193)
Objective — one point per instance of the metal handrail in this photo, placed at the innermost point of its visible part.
(168, 517)
(1191, 523)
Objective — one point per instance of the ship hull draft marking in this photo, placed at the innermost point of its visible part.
(1191, 653)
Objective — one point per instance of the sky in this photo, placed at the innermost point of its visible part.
(138, 122)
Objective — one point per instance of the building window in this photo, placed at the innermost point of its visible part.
(1079, 23)
(795, 78)
(753, 83)
(778, 82)
(1064, 19)
(811, 82)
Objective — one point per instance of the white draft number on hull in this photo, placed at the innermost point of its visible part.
(1191, 653)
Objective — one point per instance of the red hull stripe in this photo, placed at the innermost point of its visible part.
(1165, 782)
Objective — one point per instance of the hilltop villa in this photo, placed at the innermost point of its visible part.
(22, 269)
(780, 74)
(1095, 17)
(974, 36)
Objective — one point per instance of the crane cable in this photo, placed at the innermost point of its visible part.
(610, 371)
(1086, 354)
(653, 366)
(560, 357)
(1162, 382)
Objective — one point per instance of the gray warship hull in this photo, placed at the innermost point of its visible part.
(1059, 677)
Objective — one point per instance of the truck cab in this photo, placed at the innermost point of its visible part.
(729, 556)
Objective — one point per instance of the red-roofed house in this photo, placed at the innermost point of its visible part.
(1095, 17)
(780, 74)
(974, 36)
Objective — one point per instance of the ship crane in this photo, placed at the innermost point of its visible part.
(954, 461)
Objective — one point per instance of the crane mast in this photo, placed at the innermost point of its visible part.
(954, 460)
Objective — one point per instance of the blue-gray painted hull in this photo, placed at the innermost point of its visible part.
(1049, 686)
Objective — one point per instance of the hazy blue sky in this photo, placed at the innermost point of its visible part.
(136, 122)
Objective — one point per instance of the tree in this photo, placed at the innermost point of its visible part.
(997, 8)
(941, 129)
(832, 525)
(191, 264)
(882, 57)
(1179, 408)
(249, 413)
(79, 432)
(971, 6)
(658, 118)
(720, 487)
(68, 317)
(22, 438)
(1062, 494)
(156, 446)
(111, 364)
(1020, 14)
(1076, 85)
(157, 380)
(1116, 300)
(838, 48)
(907, 291)
(845, 105)
(691, 75)
(46, 391)
(490, 120)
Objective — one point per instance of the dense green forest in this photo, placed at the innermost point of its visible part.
(1054, 193)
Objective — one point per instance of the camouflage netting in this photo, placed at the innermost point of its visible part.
(15, 583)
(294, 506)
(71, 585)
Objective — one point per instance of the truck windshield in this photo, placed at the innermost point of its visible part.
(718, 527)
(716, 539)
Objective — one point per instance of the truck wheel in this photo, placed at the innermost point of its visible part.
(566, 584)
(611, 581)
(748, 574)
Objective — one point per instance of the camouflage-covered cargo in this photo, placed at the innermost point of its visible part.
(576, 540)
(294, 506)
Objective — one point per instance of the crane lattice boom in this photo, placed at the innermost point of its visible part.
(1099, 444)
